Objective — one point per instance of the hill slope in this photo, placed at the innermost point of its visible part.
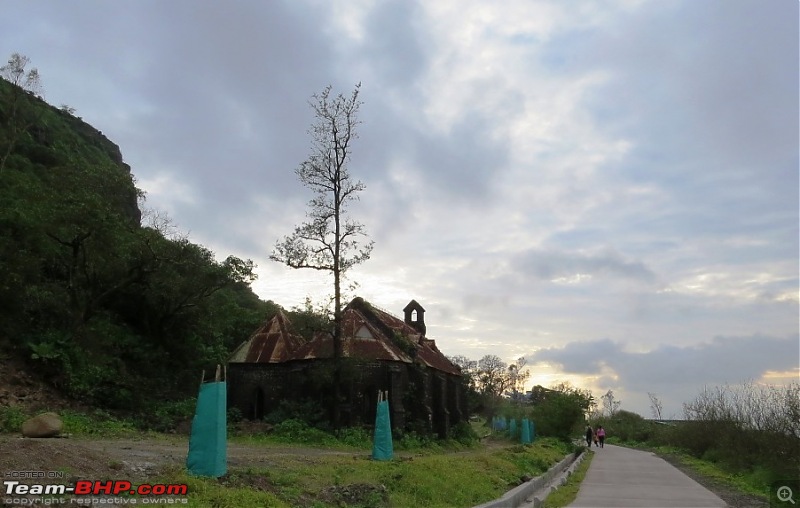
(97, 306)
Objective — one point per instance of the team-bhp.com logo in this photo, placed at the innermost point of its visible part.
(93, 488)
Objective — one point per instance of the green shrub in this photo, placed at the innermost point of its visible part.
(628, 427)
(97, 422)
(102, 386)
(235, 415)
(167, 415)
(560, 415)
(413, 441)
(298, 431)
(356, 437)
(308, 411)
(11, 419)
(463, 433)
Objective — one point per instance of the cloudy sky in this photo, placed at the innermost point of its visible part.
(609, 189)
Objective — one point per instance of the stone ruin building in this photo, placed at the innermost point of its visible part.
(380, 352)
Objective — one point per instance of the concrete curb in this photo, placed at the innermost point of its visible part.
(535, 491)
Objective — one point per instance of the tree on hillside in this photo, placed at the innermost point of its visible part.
(23, 82)
(328, 240)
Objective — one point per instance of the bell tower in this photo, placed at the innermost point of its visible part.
(415, 316)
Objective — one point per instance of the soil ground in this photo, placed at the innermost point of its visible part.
(139, 458)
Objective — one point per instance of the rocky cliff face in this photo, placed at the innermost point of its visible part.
(93, 136)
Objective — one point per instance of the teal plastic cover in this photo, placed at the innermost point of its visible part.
(382, 448)
(208, 444)
(525, 432)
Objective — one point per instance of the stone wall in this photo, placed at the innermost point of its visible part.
(420, 399)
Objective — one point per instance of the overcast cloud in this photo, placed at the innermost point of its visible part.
(609, 189)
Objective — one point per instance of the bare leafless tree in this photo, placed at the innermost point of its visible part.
(518, 375)
(656, 406)
(22, 82)
(772, 408)
(328, 240)
(610, 403)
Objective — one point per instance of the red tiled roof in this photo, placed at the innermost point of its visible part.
(361, 338)
(430, 355)
(274, 342)
(367, 332)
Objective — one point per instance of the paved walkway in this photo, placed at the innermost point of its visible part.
(622, 477)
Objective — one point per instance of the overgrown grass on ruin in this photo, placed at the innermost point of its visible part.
(296, 432)
(464, 478)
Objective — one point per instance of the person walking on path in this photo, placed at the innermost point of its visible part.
(589, 436)
(601, 435)
(622, 477)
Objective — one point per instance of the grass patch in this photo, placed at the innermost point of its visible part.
(227, 492)
(98, 424)
(566, 494)
(298, 433)
(463, 478)
(11, 419)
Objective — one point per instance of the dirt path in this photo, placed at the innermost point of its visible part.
(139, 457)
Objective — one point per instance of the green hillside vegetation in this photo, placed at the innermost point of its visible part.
(110, 312)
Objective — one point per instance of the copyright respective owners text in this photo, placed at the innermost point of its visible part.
(47, 488)
(93, 501)
(784, 493)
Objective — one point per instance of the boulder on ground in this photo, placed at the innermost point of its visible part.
(43, 425)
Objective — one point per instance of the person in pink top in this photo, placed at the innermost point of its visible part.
(601, 435)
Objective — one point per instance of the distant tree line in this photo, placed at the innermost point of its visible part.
(496, 388)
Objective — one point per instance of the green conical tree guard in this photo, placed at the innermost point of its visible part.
(525, 432)
(208, 442)
(382, 448)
